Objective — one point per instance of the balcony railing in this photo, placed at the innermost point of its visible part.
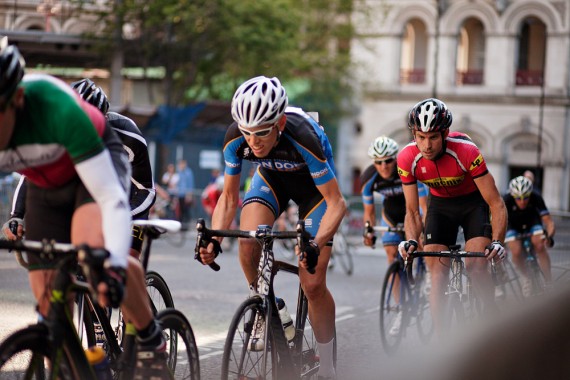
(529, 77)
(415, 76)
(470, 77)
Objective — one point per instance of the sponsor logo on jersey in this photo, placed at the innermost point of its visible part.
(477, 162)
(445, 181)
(308, 223)
(265, 189)
(424, 170)
(232, 164)
(320, 173)
(402, 172)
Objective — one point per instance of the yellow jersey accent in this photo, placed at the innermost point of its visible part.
(445, 181)
(476, 163)
(402, 172)
(57, 296)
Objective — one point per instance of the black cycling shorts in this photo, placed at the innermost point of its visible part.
(445, 215)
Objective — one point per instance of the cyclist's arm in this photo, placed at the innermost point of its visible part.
(19, 199)
(369, 214)
(548, 224)
(489, 191)
(412, 220)
(336, 210)
(101, 180)
(225, 210)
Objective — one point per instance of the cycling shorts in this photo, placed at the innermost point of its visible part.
(535, 229)
(390, 238)
(446, 215)
(49, 213)
(274, 189)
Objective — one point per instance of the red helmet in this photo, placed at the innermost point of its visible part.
(430, 115)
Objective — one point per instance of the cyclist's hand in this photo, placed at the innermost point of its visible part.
(310, 257)
(8, 228)
(369, 239)
(549, 241)
(407, 246)
(111, 288)
(209, 254)
(495, 250)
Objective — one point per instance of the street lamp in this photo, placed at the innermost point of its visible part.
(49, 8)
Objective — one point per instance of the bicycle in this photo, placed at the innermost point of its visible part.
(402, 299)
(462, 304)
(533, 271)
(286, 222)
(342, 251)
(54, 339)
(279, 359)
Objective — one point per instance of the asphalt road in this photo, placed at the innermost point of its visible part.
(210, 298)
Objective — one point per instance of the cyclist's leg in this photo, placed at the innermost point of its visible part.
(478, 269)
(439, 269)
(539, 244)
(516, 248)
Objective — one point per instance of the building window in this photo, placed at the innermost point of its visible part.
(471, 53)
(414, 53)
(531, 53)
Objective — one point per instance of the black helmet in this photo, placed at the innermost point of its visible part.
(11, 69)
(430, 115)
(92, 94)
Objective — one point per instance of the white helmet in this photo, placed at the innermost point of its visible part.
(520, 187)
(259, 101)
(383, 147)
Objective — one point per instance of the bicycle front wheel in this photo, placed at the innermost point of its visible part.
(537, 279)
(182, 350)
(342, 252)
(239, 360)
(392, 313)
(25, 355)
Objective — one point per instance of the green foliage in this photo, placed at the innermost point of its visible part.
(208, 47)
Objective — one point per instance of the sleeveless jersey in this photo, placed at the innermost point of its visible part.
(449, 175)
(40, 148)
(302, 146)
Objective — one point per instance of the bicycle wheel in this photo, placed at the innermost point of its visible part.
(305, 351)
(537, 279)
(421, 294)
(158, 292)
(238, 361)
(342, 252)
(393, 316)
(512, 286)
(184, 362)
(454, 312)
(25, 354)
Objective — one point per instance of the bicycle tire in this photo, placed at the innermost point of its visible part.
(306, 355)
(24, 354)
(454, 315)
(342, 251)
(183, 362)
(421, 293)
(389, 309)
(512, 287)
(158, 291)
(537, 279)
(238, 361)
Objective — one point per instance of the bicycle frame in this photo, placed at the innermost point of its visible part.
(268, 267)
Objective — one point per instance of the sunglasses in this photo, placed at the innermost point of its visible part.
(522, 198)
(386, 161)
(259, 133)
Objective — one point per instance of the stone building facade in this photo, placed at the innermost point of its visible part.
(502, 67)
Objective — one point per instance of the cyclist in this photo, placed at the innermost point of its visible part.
(295, 163)
(462, 192)
(527, 212)
(382, 177)
(78, 174)
(142, 192)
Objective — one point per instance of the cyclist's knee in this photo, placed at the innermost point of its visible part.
(314, 289)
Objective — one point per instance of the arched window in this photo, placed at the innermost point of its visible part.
(414, 53)
(531, 52)
(471, 53)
